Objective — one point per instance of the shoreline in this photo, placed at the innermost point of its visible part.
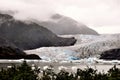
(67, 65)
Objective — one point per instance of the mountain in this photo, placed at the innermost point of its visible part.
(10, 51)
(63, 25)
(29, 35)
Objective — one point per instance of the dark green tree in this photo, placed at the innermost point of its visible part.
(23, 72)
(114, 73)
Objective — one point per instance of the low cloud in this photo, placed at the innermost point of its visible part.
(96, 13)
(29, 8)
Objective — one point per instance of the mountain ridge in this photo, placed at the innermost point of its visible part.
(62, 25)
(30, 35)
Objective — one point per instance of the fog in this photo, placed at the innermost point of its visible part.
(101, 15)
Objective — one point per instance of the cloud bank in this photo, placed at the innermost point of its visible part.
(98, 14)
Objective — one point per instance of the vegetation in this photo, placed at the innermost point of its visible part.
(25, 72)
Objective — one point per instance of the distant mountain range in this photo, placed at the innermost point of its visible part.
(16, 36)
(63, 25)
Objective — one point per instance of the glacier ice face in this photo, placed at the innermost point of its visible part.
(100, 44)
(86, 46)
(54, 53)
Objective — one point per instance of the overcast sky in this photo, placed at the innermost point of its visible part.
(101, 15)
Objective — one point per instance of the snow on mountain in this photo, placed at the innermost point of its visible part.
(86, 46)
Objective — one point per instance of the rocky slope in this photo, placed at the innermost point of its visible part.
(10, 51)
(29, 35)
(112, 54)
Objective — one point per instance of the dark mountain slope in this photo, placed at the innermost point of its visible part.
(113, 54)
(10, 51)
(29, 35)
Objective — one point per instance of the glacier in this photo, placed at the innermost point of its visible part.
(86, 47)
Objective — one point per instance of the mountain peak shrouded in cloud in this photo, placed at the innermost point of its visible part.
(94, 13)
(30, 36)
(62, 25)
(56, 16)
